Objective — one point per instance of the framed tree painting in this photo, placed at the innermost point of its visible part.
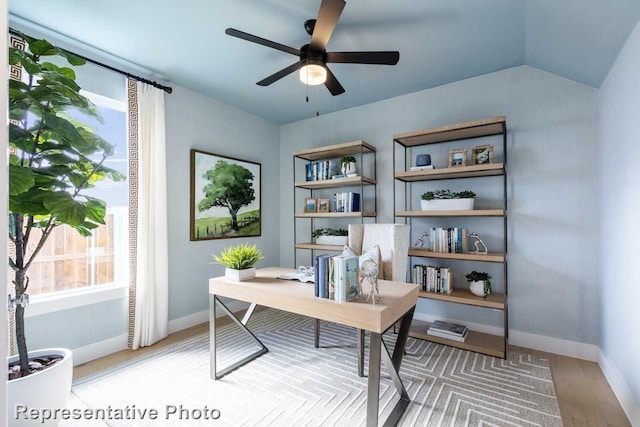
(225, 197)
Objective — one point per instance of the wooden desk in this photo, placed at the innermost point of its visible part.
(397, 302)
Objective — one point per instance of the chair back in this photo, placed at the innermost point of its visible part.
(393, 240)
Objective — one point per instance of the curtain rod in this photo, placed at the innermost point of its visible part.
(167, 89)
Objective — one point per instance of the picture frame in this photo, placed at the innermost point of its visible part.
(457, 158)
(323, 205)
(213, 218)
(482, 154)
(310, 205)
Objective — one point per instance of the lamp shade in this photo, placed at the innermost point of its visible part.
(313, 74)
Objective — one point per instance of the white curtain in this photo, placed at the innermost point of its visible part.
(151, 273)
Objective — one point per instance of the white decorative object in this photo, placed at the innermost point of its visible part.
(477, 243)
(369, 270)
(240, 275)
(49, 388)
(447, 204)
(349, 168)
(331, 240)
(477, 288)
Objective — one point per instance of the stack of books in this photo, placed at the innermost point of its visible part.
(448, 330)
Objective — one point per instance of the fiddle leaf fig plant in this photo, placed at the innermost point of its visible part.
(54, 158)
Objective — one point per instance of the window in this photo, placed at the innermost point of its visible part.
(69, 260)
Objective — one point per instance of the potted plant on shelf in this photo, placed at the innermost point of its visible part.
(239, 261)
(479, 283)
(447, 200)
(330, 236)
(53, 159)
(348, 165)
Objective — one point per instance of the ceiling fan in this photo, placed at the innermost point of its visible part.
(313, 56)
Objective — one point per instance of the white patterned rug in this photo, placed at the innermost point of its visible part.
(295, 384)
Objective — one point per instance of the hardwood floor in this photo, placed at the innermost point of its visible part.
(584, 395)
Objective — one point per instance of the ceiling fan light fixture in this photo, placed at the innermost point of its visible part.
(313, 74)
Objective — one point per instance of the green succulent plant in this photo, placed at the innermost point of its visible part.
(239, 257)
(448, 194)
(329, 232)
(347, 159)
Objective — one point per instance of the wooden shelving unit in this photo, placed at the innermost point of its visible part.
(493, 345)
(366, 180)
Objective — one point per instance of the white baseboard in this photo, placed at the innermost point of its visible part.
(112, 345)
(99, 349)
(194, 319)
(621, 390)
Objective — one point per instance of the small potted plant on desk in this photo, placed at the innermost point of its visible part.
(479, 283)
(239, 261)
(330, 236)
(447, 200)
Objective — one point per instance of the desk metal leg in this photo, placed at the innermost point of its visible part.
(316, 333)
(377, 352)
(213, 302)
(360, 340)
(373, 386)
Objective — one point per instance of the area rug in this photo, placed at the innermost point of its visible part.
(295, 384)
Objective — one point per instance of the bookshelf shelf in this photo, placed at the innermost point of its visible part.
(475, 212)
(456, 134)
(463, 296)
(317, 247)
(489, 257)
(479, 342)
(336, 183)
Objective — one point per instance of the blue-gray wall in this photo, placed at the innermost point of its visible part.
(618, 153)
(195, 121)
(552, 165)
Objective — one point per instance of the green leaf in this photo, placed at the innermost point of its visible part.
(96, 210)
(65, 209)
(21, 179)
(73, 59)
(42, 48)
(68, 72)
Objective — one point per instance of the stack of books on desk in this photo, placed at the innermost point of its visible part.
(448, 330)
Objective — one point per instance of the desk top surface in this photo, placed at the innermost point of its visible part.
(396, 298)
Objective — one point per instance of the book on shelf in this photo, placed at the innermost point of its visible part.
(433, 279)
(451, 240)
(460, 338)
(346, 202)
(321, 170)
(448, 328)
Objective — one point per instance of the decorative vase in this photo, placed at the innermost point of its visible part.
(478, 289)
(49, 388)
(349, 168)
(447, 204)
(240, 275)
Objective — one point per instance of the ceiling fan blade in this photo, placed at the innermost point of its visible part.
(333, 84)
(383, 57)
(328, 15)
(280, 74)
(259, 40)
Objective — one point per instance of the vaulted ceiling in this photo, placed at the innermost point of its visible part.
(440, 41)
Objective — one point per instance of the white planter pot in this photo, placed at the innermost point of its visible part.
(349, 168)
(240, 275)
(331, 240)
(477, 288)
(447, 205)
(50, 388)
